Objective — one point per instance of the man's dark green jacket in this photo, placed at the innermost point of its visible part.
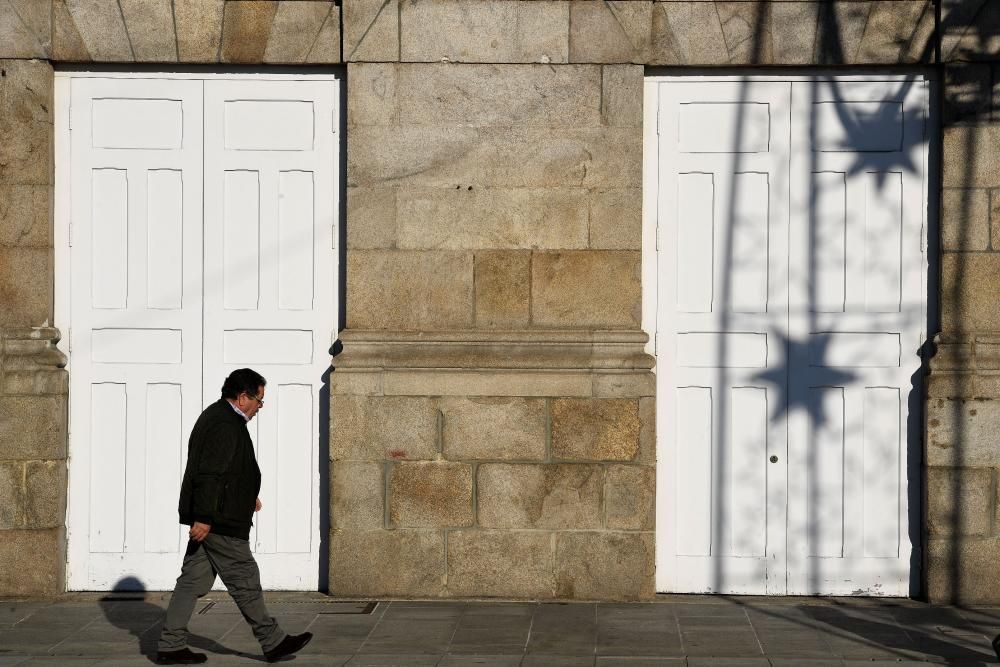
(221, 480)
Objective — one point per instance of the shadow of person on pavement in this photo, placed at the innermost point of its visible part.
(903, 639)
(126, 607)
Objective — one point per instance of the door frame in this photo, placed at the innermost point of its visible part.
(930, 244)
(62, 224)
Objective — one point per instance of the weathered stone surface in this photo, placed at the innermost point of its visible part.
(467, 217)
(246, 28)
(26, 216)
(400, 563)
(67, 44)
(494, 563)
(199, 30)
(609, 32)
(150, 26)
(965, 219)
(11, 495)
(371, 30)
(32, 562)
(102, 28)
(746, 27)
(449, 94)
(616, 219)
(967, 93)
(968, 289)
(604, 566)
(630, 497)
(295, 29)
(959, 501)
(533, 157)
(357, 495)
(494, 428)
(364, 428)
(326, 47)
(45, 494)
(33, 427)
(841, 27)
(373, 94)
(597, 288)
(687, 33)
(647, 431)
(503, 289)
(354, 383)
(430, 494)
(487, 383)
(26, 29)
(26, 132)
(596, 429)
(995, 219)
(889, 31)
(963, 570)
(970, 31)
(409, 290)
(36, 382)
(624, 385)
(484, 31)
(25, 286)
(621, 95)
(793, 32)
(371, 218)
(563, 496)
(962, 432)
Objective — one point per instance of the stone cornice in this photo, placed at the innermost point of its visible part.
(542, 349)
(966, 354)
(31, 348)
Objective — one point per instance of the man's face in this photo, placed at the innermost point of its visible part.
(249, 404)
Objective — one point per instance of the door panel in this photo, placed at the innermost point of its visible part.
(790, 270)
(723, 156)
(135, 334)
(270, 303)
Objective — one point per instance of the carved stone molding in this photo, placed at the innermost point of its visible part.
(527, 350)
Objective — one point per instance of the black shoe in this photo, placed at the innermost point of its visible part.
(996, 646)
(289, 645)
(184, 656)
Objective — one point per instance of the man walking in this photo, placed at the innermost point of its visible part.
(218, 500)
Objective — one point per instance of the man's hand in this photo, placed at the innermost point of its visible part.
(259, 505)
(199, 531)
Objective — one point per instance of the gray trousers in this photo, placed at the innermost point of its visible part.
(231, 559)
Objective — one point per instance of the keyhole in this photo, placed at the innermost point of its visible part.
(774, 459)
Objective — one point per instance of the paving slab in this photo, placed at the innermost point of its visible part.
(674, 630)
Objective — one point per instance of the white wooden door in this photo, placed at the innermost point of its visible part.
(135, 328)
(790, 305)
(270, 270)
(195, 253)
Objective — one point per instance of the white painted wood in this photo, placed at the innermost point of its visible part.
(270, 299)
(717, 338)
(134, 294)
(824, 204)
(135, 361)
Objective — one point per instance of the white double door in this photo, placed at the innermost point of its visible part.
(199, 225)
(790, 305)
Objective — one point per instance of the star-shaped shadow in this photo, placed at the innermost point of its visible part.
(803, 354)
(860, 126)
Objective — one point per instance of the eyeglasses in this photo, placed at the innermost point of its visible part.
(259, 399)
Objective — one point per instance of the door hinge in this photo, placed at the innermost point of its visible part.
(69, 235)
(69, 340)
(656, 342)
(657, 232)
(333, 121)
(69, 120)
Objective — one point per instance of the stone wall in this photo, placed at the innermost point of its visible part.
(492, 419)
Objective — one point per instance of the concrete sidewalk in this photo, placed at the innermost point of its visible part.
(121, 629)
